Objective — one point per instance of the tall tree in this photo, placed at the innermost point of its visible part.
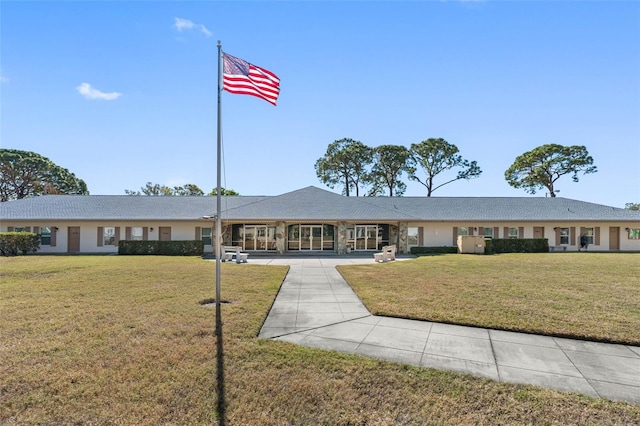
(389, 162)
(26, 174)
(155, 189)
(436, 156)
(150, 189)
(632, 206)
(543, 166)
(190, 189)
(345, 163)
(223, 192)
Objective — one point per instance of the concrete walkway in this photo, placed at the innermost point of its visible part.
(316, 308)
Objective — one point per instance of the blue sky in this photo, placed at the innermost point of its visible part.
(122, 93)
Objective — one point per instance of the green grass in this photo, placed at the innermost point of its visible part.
(583, 295)
(124, 340)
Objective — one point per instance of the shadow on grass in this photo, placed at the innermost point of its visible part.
(221, 406)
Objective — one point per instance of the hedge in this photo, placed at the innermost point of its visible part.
(418, 250)
(516, 245)
(163, 248)
(14, 243)
(494, 245)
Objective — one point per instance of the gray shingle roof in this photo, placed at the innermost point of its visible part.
(311, 204)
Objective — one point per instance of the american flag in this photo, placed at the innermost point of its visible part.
(241, 77)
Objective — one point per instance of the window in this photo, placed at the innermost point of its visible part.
(45, 236)
(109, 236)
(633, 234)
(463, 230)
(564, 235)
(18, 229)
(513, 232)
(412, 236)
(255, 237)
(136, 233)
(487, 232)
(589, 233)
(206, 236)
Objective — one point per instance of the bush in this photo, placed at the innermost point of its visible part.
(14, 243)
(164, 248)
(488, 246)
(518, 245)
(418, 250)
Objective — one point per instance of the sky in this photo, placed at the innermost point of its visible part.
(122, 93)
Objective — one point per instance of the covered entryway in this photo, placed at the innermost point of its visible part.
(73, 239)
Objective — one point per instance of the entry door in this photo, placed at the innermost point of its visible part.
(250, 238)
(366, 237)
(538, 232)
(614, 238)
(310, 237)
(73, 239)
(165, 233)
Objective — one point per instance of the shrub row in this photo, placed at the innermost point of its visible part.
(516, 245)
(495, 245)
(14, 243)
(433, 250)
(164, 248)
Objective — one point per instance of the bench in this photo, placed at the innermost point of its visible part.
(557, 248)
(231, 253)
(388, 253)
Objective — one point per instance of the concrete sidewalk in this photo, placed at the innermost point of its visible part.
(316, 308)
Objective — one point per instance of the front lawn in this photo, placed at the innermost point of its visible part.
(124, 340)
(584, 295)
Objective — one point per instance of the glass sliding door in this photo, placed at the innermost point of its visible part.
(368, 237)
(254, 237)
(310, 237)
(249, 237)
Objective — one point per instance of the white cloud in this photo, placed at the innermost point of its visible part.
(89, 92)
(185, 24)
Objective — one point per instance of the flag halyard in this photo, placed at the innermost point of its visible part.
(241, 77)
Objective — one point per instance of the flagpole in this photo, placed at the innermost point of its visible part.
(221, 406)
(218, 176)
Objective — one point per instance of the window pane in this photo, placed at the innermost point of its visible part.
(513, 232)
(463, 230)
(564, 235)
(412, 236)
(487, 232)
(293, 237)
(45, 236)
(136, 233)
(206, 236)
(109, 237)
(589, 233)
(271, 238)
(633, 234)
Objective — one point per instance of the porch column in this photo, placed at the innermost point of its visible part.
(281, 237)
(341, 234)
(402, 237)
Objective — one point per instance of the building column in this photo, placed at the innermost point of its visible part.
(403, 233)
(281, 237)
(341, 243)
